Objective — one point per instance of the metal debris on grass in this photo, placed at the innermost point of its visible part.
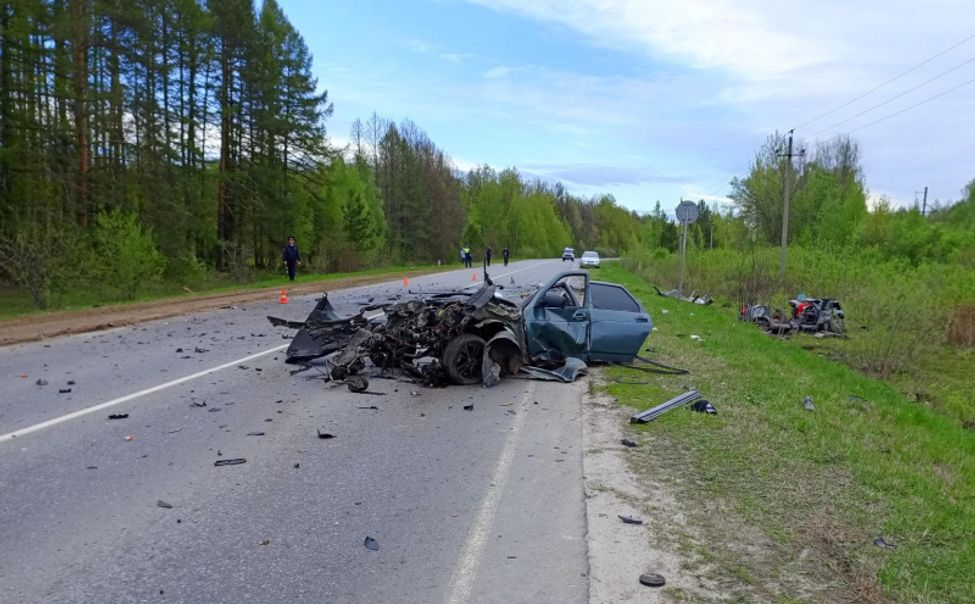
(655, 412)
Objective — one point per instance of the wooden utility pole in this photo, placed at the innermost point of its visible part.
(785, 204)
(924, 207)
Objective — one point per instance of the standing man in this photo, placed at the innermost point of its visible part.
(468, 261)
(487, 255)
(291, 257)
(504, 254)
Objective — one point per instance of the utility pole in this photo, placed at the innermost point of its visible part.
(785, 204)
(924, 208)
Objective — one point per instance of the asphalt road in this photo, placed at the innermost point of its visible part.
(481, 506)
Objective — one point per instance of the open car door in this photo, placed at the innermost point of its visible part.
(557, 319)
(618, 323)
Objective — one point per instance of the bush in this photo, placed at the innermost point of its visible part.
(123, 255)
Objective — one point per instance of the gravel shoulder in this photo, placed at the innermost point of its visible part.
(39, 327)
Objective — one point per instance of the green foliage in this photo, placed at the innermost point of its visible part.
(123, 256)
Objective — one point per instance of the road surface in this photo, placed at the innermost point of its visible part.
(466, 506)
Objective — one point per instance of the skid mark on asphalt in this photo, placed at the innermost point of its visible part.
(465, 571)
(118, 401)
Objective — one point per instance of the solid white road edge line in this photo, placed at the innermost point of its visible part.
(462, 579)
(134, 395)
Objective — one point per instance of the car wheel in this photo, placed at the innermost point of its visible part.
(462, 358)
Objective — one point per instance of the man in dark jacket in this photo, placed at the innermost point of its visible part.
(505, 254)
(291, 257)
(487, 255)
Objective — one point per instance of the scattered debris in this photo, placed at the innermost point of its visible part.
(652, 580)
(469, 407)
(703, 299)
(64, 390)
(91, 468)
(297, 464)
(71, 382)
(203, 404)
(704, 406)
(236, 461)
(629, 442)
(655, 412)
(325, 435)
(41, 382)
(370, 407)
(808, 403)
(129, 437)
(118, 416)
(371, 544)
(199, 350)
(630, 519)
(697, 338)
(883, 543)
(264, 542)
(163, 504)
(255, 434)
(356, 383)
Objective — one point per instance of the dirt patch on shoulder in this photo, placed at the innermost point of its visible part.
(703, 546)
(619, 552)
(39, 327)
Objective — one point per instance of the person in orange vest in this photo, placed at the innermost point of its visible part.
(291, 257)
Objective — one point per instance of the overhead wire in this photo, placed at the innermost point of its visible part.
(897, 96)
(896, 113)
(879, 86)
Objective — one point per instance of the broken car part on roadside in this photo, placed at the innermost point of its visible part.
(654, 413)
(821, 316)
(548, 332)
(704, 298)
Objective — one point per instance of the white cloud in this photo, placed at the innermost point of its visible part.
(497, 72)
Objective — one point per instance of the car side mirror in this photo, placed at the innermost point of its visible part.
(553, 299)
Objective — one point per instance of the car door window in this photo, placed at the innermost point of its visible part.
(610, 297)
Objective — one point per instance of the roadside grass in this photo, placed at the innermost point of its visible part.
(17, 303)
(819, 486)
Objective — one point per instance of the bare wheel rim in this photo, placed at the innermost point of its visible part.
(468, 359)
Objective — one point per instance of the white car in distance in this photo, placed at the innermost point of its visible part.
(589, 260)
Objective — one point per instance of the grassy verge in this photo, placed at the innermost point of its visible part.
(16, 303)
(820, 485)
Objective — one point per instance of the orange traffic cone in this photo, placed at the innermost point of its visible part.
(284, 298)
(473, 277)
(406, 281)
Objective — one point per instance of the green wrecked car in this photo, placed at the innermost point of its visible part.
(549, 331)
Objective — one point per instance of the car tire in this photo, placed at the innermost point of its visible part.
(462, 358)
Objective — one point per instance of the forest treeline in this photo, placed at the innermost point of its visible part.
(174, 140)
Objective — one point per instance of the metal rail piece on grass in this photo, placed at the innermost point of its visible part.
(677, 401)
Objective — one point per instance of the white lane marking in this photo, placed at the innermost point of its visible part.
(462, 580)
(478, 282)
(118, 401)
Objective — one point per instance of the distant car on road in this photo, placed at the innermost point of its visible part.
(568, 254)
(589, 259)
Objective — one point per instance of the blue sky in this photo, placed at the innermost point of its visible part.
(651, 100)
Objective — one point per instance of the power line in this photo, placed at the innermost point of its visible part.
(893, 79)
(939, 95)
(897, 96)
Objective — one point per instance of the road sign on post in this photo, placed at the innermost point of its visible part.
(687, 213)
